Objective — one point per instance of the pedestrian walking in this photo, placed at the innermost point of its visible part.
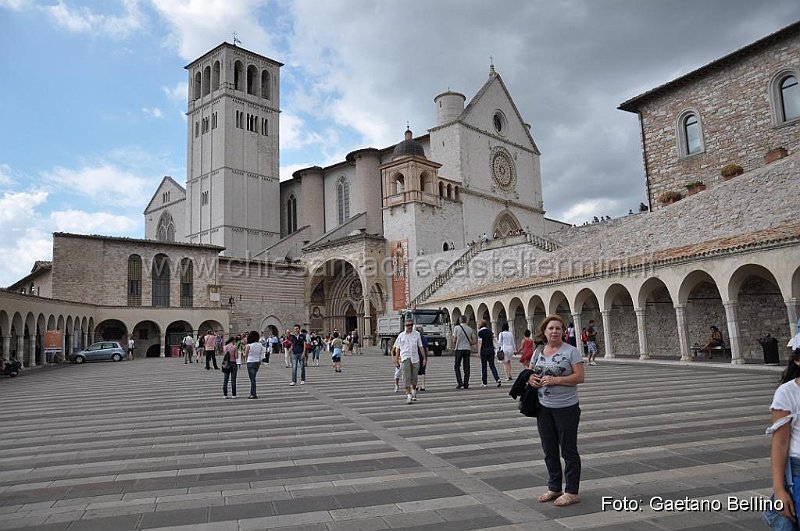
(506, 343)
(407, 350)
(526, 350)
(423, 362)
(131, 345)
(463, 341)
(210, 344)
(299, 354)
(230, 367)
(188, 348)
(336, 352)
(486, 350)
(253, 352)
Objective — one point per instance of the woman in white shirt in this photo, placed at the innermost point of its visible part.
(254, 352)
(785, 454)
(505, 342)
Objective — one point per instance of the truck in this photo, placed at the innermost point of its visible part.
(433, 324)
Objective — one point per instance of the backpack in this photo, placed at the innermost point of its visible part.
(584, 336)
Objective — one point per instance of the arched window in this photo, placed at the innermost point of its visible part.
(198, 83)
(425, 182)
(237, 75)
(207, 81)
(166, 228)
(445, 247)
(455, 193)
(291, 214)
(689, 133)
(265, 84)
(187, 283)
(343, 199)
(399, 183)
(215, 76)
(160, 277)
(252, 80)
(789, 98)
(441, 189)
(134, 280)
(449, 191)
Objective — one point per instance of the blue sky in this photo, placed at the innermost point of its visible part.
(93, 94)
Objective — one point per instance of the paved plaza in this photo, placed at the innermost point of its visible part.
(151, 444)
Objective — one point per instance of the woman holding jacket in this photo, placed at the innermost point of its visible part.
(556, 374)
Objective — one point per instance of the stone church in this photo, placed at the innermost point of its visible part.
(475, 172)
(452, 219)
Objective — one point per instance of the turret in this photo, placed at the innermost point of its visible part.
(449, 106)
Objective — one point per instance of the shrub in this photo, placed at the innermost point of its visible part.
(731, 170)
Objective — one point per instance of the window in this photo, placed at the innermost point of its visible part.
(690, 133)
(206, 81)
(215, 76)
(252, 79)
(165, 197)
(196, 129)
(343, 199)
(265, 84)
(197, 84)
(204, 198)
(160, 278)
(237, 75)
(499, 122)
(134, 280)
(187, 283)
(214, 120)
(265, 127)
(291, 214)
(789, 98)
(166, 228)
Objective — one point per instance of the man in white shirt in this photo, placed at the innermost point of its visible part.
(407, 349)
(188, 349)
(130, 348)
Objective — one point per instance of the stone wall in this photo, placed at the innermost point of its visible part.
(94, 269)
(734, 104)
(761, 311)
(260, 290)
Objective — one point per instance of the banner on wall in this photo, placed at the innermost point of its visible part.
(52, 340)
(401, 283)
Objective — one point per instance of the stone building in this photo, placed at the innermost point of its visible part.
(655, 282)
(742, 110)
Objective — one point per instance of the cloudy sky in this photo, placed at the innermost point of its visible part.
(93, 94)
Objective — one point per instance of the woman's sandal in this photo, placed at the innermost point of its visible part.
(548, 496)
(567, 499)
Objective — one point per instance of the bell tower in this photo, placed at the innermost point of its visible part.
(232, 169)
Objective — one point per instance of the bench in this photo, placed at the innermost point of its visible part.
(724, 350)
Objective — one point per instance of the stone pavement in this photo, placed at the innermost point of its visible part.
(151, 444)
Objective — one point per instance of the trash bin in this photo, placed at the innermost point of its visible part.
(770, 346)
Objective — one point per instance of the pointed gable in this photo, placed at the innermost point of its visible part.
(482, 109)
(168, 184)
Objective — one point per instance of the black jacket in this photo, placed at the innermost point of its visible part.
(528, 396)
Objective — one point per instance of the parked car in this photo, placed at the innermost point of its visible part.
(104, 350)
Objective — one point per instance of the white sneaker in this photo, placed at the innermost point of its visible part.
(414, 394)
(302, 382)
(291, 384)
(396, 388)
(408, 399)
(592, 363)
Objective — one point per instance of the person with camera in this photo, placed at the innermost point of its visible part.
(557, 371)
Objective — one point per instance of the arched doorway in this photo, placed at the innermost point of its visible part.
(110, 330)
(506, 223)
(147, 340)
(336, 298)
(661, 324)
(176, 331)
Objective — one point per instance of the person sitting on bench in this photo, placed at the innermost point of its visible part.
(714, 341)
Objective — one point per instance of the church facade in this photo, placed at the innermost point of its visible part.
(355, 223)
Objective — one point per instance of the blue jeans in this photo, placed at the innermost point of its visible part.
(297, 359)
(252, 369)
(232, 376)
(771, 517)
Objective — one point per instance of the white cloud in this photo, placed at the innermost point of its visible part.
(198, 25)
(5, 174)
(295, 134)
(104, 183)
(92, 222)
(155, 112)
(24, 241)
(287, 171)
(178, 93)
(15, 4)
(84, 20)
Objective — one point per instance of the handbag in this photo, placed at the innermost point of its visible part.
(226, 364)
(500, 355)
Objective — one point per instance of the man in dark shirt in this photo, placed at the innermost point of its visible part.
(299, 354)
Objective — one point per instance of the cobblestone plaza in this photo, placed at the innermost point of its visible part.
(151, 444)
